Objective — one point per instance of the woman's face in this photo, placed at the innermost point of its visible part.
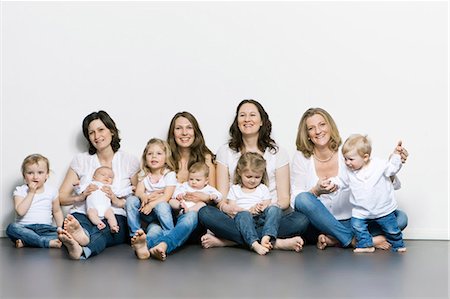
(318, 130)
(249, 119)
(184, 132)
(99, 135)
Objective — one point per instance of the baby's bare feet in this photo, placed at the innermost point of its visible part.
(139, 244)
(19, 244)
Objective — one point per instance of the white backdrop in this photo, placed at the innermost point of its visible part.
(379, 68)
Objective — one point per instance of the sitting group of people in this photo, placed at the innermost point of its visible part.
(248, 194)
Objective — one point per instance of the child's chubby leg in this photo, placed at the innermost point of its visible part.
(95, 219)
(259, 249)
(73, 227)
(112, 221)
(139, 244)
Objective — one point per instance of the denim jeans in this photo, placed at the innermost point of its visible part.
(161, 213)
(322, 221)
(223, 226)
(387, 223)
(186, 223)
(32, 235)
(100, 239)
(268, 223)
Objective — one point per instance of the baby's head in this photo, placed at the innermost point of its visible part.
(356, 151)
(104, 174)
(198, 175)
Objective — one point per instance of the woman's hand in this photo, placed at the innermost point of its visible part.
(115, 201)
(196, 197)
(88, 191)
(147, 209)
(323, 186)
(154, 195)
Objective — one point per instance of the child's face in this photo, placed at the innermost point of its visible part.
(104, 175)
(156, 157)
(197, 180)
(251, 179)
(354, 161)
(36, 174)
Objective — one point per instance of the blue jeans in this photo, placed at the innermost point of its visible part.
(162, 213)
(32, 235)
(322, 221)
(223, 226)
(100, 239)
(267, 223)
(185, 225)
(387, 223)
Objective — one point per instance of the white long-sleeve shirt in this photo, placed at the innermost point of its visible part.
(371, 190)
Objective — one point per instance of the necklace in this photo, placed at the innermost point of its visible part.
(325, 160)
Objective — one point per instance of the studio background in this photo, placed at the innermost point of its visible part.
(379, 68)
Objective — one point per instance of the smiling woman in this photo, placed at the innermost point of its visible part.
(81, 238)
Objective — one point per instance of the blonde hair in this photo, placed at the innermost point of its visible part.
(198, 167)
(250, 161)
(34, 159)
(170, 165)
(358, 142)
(303, 142)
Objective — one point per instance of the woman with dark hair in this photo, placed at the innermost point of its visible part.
(250, 132)
(81, 238)
(328, 208)
(188, 147)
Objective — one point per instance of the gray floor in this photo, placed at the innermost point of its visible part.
(422, 272)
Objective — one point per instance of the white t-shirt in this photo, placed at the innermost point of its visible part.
(372, 192)
(304, 177)
(168, 179)
(184, 188)
(41, 209)
(229, 158)
(124, 167)
(247, 200)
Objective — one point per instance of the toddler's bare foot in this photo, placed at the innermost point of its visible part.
(210, 241)
(380, 242)
(73, 248)
(402, 249)
(73, 227)
(259, 249)
(159, 251)
(294, 244)
(265, 241)
(19, 243)
(139, 244)
(184, 207)
(366, 249)
(323, 241)
(55, 243)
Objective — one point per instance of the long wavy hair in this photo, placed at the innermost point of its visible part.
(304, 143)
(264, 140)
(108, 122)
(169, 164)
(198, 149)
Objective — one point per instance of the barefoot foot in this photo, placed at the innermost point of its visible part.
(259, 249)
(323, 241)
(139, 244)
(294, 244)
(265, 241)
(55, 243)
(210, 241)
(73, 248)
(159, 251)
(402, 249)
(380, 242)
(73, 227)
(366, 249)
(19, 244)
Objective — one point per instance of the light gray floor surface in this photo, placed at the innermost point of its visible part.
(193, 272)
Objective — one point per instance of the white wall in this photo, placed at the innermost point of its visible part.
(379, 68)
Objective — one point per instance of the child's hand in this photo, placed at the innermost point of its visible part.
(254, 210)
(146, 209)
(91, 188)
(400, 150)
(108, 191)
(32, 187)
(180, 197)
